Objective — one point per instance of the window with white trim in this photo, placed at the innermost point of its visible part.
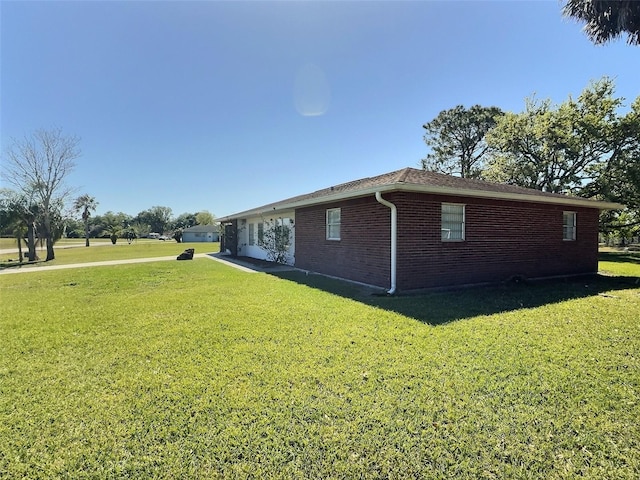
(568, 226)
(452, 222)
(333, 224)
(252, 234)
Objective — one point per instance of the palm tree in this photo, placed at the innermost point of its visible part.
(607, 20)
(114, 232)
(86, 204)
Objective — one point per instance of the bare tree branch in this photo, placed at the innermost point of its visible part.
(38, 166)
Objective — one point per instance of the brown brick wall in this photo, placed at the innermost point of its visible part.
(363, 251)
(502, 239)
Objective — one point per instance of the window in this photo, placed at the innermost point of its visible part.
(260, 233)
(252, 234)
(452, 222)
(333, 224)
(569, 225)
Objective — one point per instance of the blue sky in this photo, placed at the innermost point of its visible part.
(225, 106)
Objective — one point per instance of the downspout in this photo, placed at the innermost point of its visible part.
(394, 239)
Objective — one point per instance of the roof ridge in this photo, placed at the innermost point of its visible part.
(401, 175)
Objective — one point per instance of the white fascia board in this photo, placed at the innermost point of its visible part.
(516, 197)
(260, 212)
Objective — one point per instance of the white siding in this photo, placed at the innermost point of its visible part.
(200, 237)
(255, 251)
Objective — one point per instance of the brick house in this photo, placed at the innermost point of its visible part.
(412, 229)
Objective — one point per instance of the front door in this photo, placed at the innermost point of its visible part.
(229, 239)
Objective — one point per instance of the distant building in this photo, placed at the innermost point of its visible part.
(201, 233)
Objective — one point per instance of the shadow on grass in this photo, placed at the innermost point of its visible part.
(17, 264)
(620, 257)
(441, 307)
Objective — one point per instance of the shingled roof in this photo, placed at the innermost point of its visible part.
(413, 179)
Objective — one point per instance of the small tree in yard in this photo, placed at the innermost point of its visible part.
(114, 232)
(276, 240)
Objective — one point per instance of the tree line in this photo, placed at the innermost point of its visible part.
(587, 146)
(24, 222)
(156, 219)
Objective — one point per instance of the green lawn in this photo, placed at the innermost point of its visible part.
(197, 370)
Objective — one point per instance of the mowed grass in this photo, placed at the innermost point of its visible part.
(197, 370)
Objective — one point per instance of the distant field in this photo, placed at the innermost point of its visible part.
(6, 243)
(197, 370)
(101, 250)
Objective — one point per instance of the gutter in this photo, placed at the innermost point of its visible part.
(394, 239)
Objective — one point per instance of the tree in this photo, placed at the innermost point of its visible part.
(276, 239)
(75, 228)
(139, 229)
(620, 225)
(185, 220)
(19, 214)
(158, 218)
(607, 19)
(619, 179)
(101, 225)
(205, 218)
(85, 204)
(565, 148)
(457, 140)
(529, 149)
(12, 219)
(38, 167)
(114, 232)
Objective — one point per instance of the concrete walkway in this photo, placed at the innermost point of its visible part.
(213, 256)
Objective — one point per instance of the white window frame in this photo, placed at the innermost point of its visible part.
(332, 224)
(445, 233)
(569, 224)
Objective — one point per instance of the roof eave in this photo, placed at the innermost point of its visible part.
(284, 207)
(408, 187)
(517, 197)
